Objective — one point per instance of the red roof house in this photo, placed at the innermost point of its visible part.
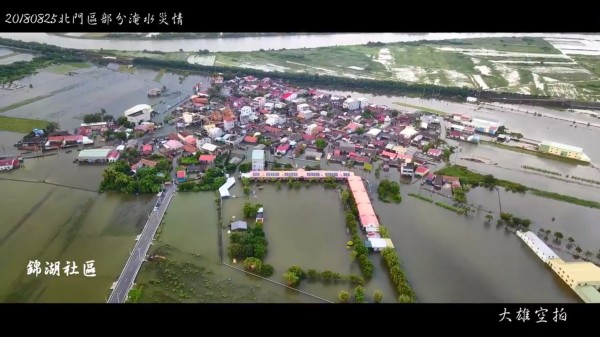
(250, 139)
(147, 149)
(421, 171)
(207, 158)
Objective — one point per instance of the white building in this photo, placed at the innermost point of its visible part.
(303, 107)
(374, 132)
(215, 132)
(409, 132)
(247, 117)
(279, 106)
(260, 101)
(307, 114)
(310, 129)
(351, 104)
(209, 147)
(138, 113)
(363, 102)
(258, 160)
(187, 117)
(269, 106)
(273, 120)
(246, 110)
(228, 123)
(200, 142)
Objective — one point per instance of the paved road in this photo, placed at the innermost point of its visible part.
(132, 267)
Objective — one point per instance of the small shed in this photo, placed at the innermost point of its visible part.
(239, 225)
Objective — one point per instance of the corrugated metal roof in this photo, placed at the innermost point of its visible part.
(94, 153)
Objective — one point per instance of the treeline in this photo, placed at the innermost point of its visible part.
(360, 251)
(49, 55)
(326, 80)
(392, 261)
(295, 274)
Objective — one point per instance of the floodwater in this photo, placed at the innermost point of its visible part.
(59, 97)
(264, 42)
(15, 58)
(447, 257)
(49, 223)
(452, 258)
(306, 227)
(508, 167)
(190, 226)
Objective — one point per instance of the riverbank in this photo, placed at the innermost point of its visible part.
(169, 36)
(477, 179)
(21, 125)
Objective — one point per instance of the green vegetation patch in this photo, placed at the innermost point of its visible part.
(389, 191)
(21, 125)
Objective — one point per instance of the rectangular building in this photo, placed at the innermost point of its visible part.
(258, 160)
(138, 113)
(563, 150)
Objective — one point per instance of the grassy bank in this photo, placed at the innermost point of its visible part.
(531, 168)
(397, 275)
(565, 198)
(433, 111)
(418, 196)
(22, 125)
(22, 103)
(534, 153)
(477, 179)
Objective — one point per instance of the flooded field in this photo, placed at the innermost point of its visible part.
(189, 235)
(49, 224)
(306, 227)
(57, 97)
(447, 257)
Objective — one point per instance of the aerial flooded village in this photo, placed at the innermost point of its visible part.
(203, 183)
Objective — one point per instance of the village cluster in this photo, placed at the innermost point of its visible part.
(286, 123)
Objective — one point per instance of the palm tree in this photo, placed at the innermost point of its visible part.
(489, 218)
(548, 232)
(598, 255)
(578, 249)
(52, 126)
(571, 240)
(588, 254)
(558, 236)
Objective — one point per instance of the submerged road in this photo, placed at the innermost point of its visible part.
(132, 267)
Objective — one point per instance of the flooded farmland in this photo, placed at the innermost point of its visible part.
(447, 257)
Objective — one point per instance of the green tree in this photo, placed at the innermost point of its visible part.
(344, 296)
(253, 264)
(578, 249)
(489, 181)
(245, 167)
(321, 143)
(359, 294)
(52, 127)
(405, 299)
(266, 270)
(297, 271)
(377, 296)
(526, 223)
(291, 279)
(558, 236)
(588, 254)
(598, 255)
(571, 240)
(121, 136)
(489, 218)
(246, 190)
